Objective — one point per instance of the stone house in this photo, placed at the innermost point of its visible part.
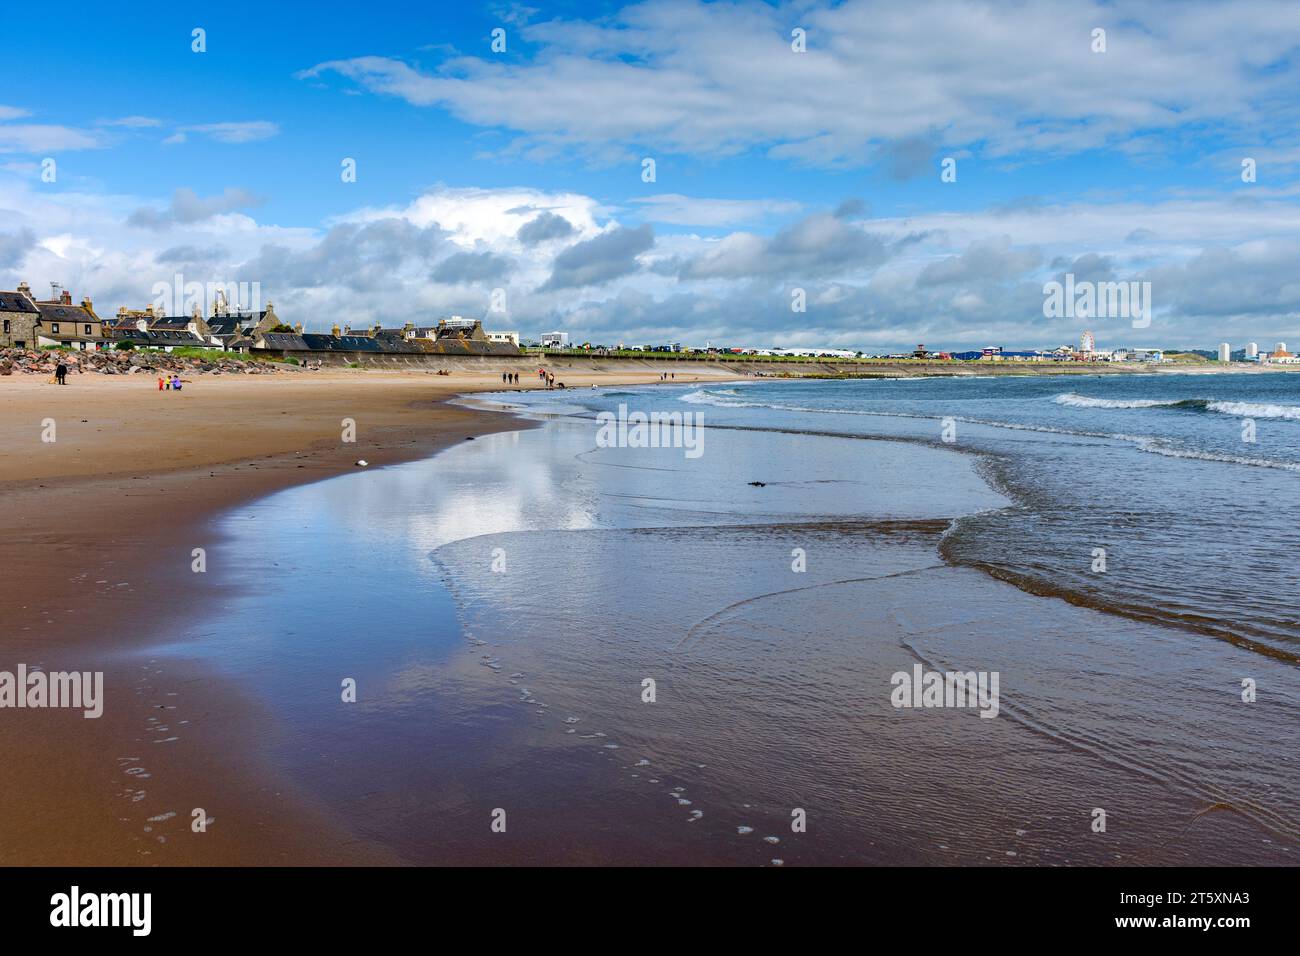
(59, 322)
(18, 319)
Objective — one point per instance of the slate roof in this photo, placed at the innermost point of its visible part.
(177, 323)
(388, 344)
(234, 324)
(58, 312)
(13, 302)
(162, 339)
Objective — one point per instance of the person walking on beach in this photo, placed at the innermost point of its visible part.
(160, 383)
(61, 373)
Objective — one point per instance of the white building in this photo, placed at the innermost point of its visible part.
(555, 340)
(1252, 351)
(1225, 352)
(1280, 356)
(511, 337)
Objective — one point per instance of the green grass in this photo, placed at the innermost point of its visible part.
(217, 355)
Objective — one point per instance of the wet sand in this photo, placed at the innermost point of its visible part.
(532, 582)
(96, 538)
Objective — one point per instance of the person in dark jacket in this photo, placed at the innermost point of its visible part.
(61, 373)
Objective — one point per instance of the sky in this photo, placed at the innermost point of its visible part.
(798, 195)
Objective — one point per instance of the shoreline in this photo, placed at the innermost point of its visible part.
(99, 532)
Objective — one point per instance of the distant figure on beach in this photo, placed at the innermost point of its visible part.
(160, 383)
(61, 373)
(176, 383)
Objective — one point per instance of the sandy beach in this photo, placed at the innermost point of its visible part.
(98, 532)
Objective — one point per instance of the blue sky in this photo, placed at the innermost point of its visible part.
(775, 170)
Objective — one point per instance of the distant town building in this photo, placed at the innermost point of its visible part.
(555, 340)
(1280, 356)
(1252, 351)
(511, 337)
(1147, 355)
(1225, 352)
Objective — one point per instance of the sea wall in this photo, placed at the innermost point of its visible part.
(562, 362)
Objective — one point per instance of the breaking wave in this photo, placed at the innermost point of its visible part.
(1084, 401)
(1240, 409)
(1255, 410)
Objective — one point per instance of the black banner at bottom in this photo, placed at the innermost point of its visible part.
(334, 905)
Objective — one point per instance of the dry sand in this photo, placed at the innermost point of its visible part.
(95, 542)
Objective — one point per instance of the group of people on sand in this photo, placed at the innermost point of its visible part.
(510, 378)
(172, 384)
(548, 379)
(665, 376)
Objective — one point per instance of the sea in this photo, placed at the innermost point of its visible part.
(570, 648)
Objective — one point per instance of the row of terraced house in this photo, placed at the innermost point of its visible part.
(28, 322)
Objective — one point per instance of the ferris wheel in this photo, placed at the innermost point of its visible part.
(1086, 342)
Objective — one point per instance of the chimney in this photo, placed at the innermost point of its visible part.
(347, 330)
(65, 298)
(335, 330)
(298, 328)
(24, 289)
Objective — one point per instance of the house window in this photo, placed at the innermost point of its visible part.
(54, 327)
(88, 330)
(6, 326)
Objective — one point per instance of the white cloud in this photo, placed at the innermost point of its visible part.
(246, 132)
(1220, 268)
(43, 138)
(716, 79)
(690, 211)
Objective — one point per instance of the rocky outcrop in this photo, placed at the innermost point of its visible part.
(43, 362)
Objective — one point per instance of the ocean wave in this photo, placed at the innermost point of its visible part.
(1255, 410)
(1239, 409)
(718, 399)
(1086, 401)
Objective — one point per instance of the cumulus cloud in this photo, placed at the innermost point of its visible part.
(14, 246)
(362, 257)
(692, 211)
(1219, 269)
(985, 260)
(188, 207)
(608, 256)
(471, 267)
(545, 227)
(191, 255)
(817, 245)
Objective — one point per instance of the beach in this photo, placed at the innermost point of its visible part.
(501, 603)
(98, 531)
